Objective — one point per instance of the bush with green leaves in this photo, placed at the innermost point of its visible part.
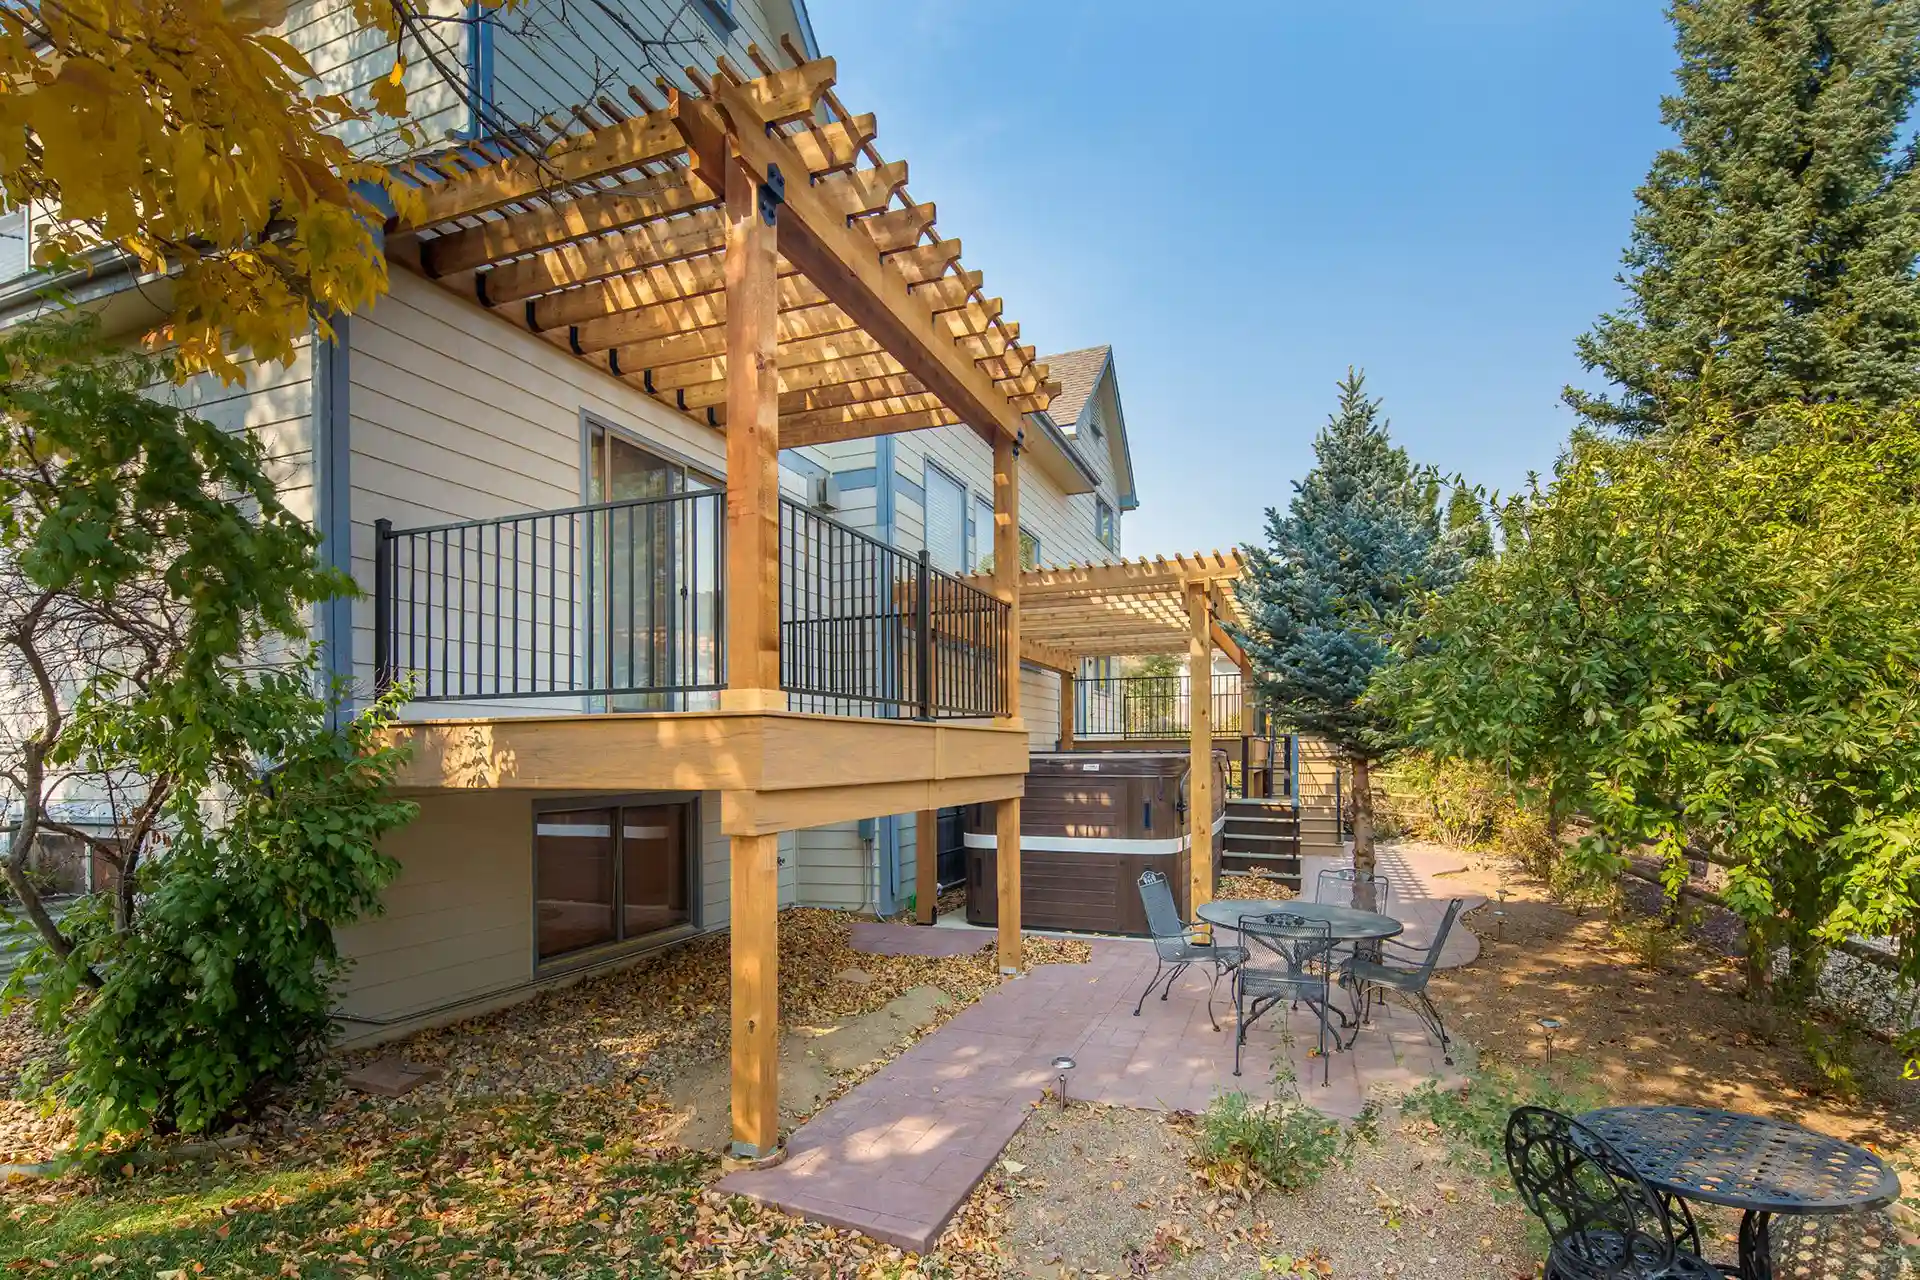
(1281, 1144)
(154, 593)
(1704, 638)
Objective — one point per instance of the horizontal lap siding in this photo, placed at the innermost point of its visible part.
(348, 59)
(457, 416)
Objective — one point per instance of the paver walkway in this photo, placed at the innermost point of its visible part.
(885, 938)
(900, 1152)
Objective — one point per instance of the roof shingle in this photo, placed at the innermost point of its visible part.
(1076, 372)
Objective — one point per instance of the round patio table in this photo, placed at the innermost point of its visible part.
(1344, 924)
(1759, 1166)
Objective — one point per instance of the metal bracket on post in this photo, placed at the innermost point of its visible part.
(773, 194)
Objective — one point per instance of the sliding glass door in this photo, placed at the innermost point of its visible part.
(656, 579)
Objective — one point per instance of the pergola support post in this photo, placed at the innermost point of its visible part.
(1200, 855)
(756, 996)
(1006, 586)
(1069, 687)
(753, 646)
(926, 866)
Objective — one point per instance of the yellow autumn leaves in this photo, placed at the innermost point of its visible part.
(189, 134)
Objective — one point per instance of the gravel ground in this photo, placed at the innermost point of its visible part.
(1109, 1191)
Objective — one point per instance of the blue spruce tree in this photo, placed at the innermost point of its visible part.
(1358, 544)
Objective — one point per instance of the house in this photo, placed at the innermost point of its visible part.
(666, 464)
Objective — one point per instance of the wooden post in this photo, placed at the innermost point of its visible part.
(756, 996)
(926, 866)
(753, 647)
(1006, 586)
(1068, 686)
(1199, 748)
(753, 452)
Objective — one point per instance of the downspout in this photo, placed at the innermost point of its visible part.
(333, 507)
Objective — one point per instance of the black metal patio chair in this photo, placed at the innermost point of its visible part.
(1289, 959)
(1405, 970)
(1604, 1222)
(1339, 887)
(1177, 946)
(1336, 886)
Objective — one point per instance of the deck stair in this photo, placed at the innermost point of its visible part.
(1262, 836)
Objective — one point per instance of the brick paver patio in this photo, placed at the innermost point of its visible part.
(885, 938)
(900, 1152)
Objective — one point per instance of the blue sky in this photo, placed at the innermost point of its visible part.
(1245, 198)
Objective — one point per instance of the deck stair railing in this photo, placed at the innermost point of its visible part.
(621, 605)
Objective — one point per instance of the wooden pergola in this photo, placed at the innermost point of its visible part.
(1163, 604)
(615, 243)
(745, 255)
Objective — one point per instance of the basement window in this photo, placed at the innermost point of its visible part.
(611, 873)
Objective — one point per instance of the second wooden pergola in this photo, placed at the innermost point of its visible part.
(1129, 608)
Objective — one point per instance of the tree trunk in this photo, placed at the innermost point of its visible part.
(1362, 834)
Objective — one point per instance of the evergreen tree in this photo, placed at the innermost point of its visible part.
(1467, 526)
(1359, 543)
(1772, 257)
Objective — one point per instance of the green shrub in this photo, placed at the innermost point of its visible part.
(222, 985)
(1650, 940)
(1283, 1144)
(1473, 1116)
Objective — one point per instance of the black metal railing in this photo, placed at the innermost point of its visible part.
(1145, 707)
(622, 603)
(866, 628)
(614, 600)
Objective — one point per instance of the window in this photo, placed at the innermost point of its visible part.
(16, 250)
(1029, 550)
(610, 873)
(946, 531)
(718, 15)
(982, 532)
(1103, 523)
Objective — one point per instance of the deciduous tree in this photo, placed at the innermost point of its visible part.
(1699, 638)
(153, 602)
(193, 137)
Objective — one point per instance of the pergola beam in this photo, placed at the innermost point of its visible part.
(842, 262)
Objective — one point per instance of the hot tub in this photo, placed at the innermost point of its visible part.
(1091, 823)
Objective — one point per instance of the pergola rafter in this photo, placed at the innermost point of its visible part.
(612, 244)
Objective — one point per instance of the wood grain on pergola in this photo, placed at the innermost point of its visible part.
(1123, 607)
(611, 243)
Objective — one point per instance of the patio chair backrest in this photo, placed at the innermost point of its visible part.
(1603, 1217)
(1288, 944)
(1163, 917)
(1440, 939)
(1335, 886)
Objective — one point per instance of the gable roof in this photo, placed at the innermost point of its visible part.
(1079, 376)
(1078, 373)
